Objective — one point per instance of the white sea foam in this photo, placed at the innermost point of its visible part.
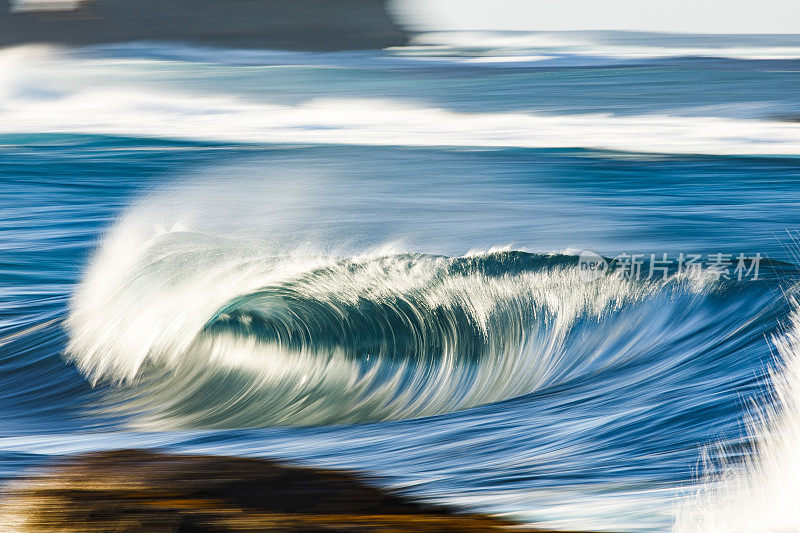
(761, 493)
(603, 44)
(37, 101)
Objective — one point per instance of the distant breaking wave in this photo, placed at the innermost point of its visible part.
(36, 99)
(505, 45)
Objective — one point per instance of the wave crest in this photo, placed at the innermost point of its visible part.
(195, 330)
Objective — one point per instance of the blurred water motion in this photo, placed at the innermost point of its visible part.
(323, 237)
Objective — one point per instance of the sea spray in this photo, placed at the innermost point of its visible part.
(760, 492)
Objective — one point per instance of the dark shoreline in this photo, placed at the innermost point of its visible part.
(144, 491)
(311, 25)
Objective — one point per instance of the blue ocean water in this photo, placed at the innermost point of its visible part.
(372, 261)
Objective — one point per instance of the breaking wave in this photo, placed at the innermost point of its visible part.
(39, 98)
(506, 45)
(196, 330)
(756, 491)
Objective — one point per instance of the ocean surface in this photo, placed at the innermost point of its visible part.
(378, 261)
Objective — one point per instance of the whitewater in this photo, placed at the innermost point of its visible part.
(41, 96)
